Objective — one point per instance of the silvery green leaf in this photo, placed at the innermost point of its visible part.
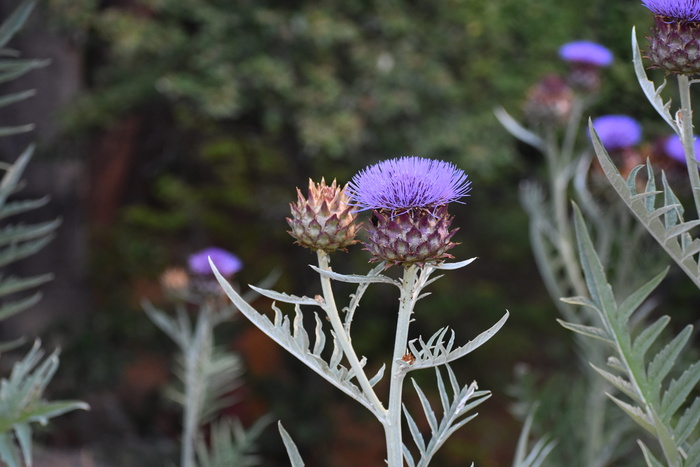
(534, 457)
(649, 457)
(453, 266)
(620, 383)
(356, 278)
(8, 451)
(14, 307)
(652, 93)
(14, 284)
(518, 131)
(664, 361)
(378, 377)
(679, 389)
(635, 414)
(693, 458)
(280, 332)
(688, 422)
(635, 300)
(647, 337)
(643, 209)
(17, 207)
(292, 451)
(437, 352)
(15, 252)
(590, 331)
(455, 409)
(415, 431)
(286, 298)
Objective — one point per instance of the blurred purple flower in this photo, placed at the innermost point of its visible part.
(617, 131)
(674, 148)
(227, 263)
(586, 52)
(408, 182)
(685, 10)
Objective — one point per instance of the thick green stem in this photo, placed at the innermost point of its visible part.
(344, 338)
(392, 427)
(687, 138)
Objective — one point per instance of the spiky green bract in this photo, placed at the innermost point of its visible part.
(418, 236)
(325, 221)
(649, 395)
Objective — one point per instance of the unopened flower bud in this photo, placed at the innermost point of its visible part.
(325, 221)
(549, 102)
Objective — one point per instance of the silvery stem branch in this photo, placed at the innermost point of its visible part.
(343, 337)
(392, 425)
(687, 138)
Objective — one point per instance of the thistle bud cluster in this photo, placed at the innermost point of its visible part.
(324, 220)
(408, 198)
(674, 41)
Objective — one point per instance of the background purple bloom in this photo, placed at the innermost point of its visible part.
(674, 148)
(586, 52)
(686, 10)
(227, 263)
(408, 182)
(617, 131)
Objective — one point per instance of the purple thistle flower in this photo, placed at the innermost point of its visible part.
(408, 182)
(227, 263)
(617, 131)
(586, 52)
(683, 10)
(674, 148)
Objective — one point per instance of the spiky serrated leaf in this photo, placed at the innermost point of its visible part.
(678, 390)
(639, 296)
(13, 253)
(15, 284)
(688, 422)
(427, 409)
(693, 455)
(663, 362)
(620, 383)
(635, 413)
(652, 93)
(16, 306)
(590, 331)
(517, 130)
(19, 207)
(438, 354)
(648, 336)
(415, 431)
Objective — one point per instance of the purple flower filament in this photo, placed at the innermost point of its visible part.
(406, 183)
(585, 52)
(683, 10)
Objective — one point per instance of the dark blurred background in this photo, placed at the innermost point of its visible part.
(166, 126)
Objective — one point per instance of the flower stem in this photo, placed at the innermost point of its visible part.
(195, 354)
(344, 338)
(687, 138)
(392, 427)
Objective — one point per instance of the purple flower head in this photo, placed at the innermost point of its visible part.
(684, 10)
(227, 263)
(587, 53)
(674, 148)
(617, 131)
(408, 182)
